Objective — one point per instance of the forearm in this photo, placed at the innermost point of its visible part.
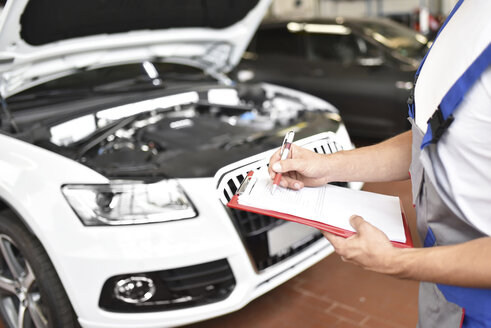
(466, 264)
(385, 161)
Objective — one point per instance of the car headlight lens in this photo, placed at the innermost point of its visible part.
(129, 203)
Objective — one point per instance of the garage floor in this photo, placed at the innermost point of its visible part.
(335, 294)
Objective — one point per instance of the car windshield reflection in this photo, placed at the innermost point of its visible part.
(405, 41)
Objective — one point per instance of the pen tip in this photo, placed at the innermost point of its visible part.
(273, 189)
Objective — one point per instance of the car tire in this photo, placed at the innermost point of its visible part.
(31, 294)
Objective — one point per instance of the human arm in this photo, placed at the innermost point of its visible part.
(465, 264)
(385, 161)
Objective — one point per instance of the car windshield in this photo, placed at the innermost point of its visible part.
(399, 38)
(136, 77)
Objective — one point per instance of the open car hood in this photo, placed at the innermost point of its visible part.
(43, 39)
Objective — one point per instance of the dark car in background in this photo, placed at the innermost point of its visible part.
(365, 67)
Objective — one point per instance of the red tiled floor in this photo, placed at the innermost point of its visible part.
(335, 294)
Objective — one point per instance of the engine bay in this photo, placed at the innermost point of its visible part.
(191, 134)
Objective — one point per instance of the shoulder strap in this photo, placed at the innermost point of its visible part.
(442, 117)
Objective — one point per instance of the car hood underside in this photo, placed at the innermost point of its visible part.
(43, 39)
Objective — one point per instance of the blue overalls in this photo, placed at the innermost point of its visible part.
(443, 305)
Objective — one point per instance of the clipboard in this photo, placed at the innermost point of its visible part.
(234, 203)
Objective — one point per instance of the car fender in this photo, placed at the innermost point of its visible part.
(30, 184)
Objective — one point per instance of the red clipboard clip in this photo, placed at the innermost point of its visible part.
(243, 186)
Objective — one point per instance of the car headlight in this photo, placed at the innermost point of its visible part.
(129, 203)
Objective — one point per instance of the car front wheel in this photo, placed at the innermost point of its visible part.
(31, 294)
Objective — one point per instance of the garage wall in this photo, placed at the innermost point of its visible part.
(295, 8)
(366, 8)
(309, 8)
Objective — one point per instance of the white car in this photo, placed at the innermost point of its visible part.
(115, 117)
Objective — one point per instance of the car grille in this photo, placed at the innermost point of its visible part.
(175, 288)
(253, 228)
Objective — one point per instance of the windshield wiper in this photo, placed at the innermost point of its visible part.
(84, 91)
(129, 85)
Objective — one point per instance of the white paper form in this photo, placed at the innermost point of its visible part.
(328, 204)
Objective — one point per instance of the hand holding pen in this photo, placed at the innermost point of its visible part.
(301, 167)
(285, 150)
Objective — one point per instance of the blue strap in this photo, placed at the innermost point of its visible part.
(429, 239)
(411, 102)
(475, 301)
(452, 99)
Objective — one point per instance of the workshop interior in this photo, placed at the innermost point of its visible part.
(127, 128)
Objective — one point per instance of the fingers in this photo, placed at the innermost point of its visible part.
(368, 247)
(289, 182)
(357, 222)
(336, 241)
(274, 158)
(341, 245)
(288, 165)
(361, 226)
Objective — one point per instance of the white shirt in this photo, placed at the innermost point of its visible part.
(464, 151)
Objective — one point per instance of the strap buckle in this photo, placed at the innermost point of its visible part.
(438, 124)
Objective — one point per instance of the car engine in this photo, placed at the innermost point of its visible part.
(193, 137)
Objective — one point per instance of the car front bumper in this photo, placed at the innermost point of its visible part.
(112, 251)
